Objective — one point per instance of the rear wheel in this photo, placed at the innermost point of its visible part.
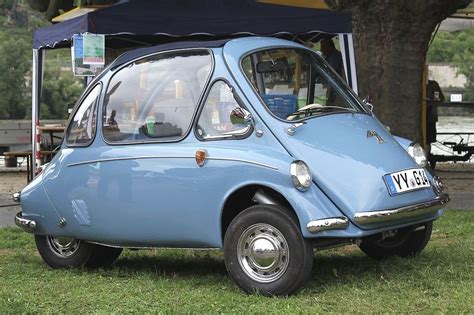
(67, 252)
(63, 252)
(406, 242)
(103, 256)
(265, 252)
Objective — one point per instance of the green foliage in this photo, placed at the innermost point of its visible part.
(7, 4)
(456, 48)
(14, 68)
(60, 88)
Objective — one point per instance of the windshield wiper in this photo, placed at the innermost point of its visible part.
(324, 109)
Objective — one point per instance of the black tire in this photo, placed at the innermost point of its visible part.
(103, 256)
(63, 252)
(407, 242)
(275, 227)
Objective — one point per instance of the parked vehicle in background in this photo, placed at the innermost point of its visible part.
(253, 145)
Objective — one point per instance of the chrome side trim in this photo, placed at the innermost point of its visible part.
(143, 157)
(25, 224)
(243, 161)
(372, 217)
(327, 224)
(171, 157)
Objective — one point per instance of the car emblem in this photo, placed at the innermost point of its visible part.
(373, 133)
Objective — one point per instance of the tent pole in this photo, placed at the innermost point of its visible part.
(37, 73)
(355, 85)
(344, 53)
(348, 57)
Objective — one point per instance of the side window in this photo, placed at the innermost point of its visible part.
(154, 98)
(82, 128)
(218, 119)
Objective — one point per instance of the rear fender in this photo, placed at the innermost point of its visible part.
(36, 206)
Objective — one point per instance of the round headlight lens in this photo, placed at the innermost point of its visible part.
(300, 175)
(418, 154)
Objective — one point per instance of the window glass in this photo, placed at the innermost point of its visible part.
(154, 99)
(218, 118)
(82, 127)
(296, 85)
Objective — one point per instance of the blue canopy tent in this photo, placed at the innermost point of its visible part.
(138, 23)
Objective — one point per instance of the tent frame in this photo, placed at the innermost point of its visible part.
(108, 21)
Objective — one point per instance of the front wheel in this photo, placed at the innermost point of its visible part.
(406, 242)
(265, 252)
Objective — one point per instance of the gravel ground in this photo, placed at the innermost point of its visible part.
(459, 178)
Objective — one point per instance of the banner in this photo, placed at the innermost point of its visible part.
(94, 49)
(80, 68)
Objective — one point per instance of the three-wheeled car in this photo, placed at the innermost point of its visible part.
(253, 145)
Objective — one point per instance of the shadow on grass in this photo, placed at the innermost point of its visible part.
(329, 269)
(173, 265)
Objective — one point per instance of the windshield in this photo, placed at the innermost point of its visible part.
(296, 84)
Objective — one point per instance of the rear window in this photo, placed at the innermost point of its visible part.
(154, 98)
(82, 128)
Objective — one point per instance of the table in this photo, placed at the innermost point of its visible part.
(51, 130)
(29, 161)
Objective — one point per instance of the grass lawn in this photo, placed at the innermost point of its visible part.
(187, 281)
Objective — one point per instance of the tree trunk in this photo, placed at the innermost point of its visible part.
(53, 9)
(391, 40)
(38, 5)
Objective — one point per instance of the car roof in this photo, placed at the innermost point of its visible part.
(139, 52)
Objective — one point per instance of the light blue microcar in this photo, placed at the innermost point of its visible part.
(252, 145)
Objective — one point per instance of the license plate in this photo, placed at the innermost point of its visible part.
(405, 181)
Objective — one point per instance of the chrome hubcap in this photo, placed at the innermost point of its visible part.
(263, 253)
(63, 246)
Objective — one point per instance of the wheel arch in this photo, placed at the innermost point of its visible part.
(249, 195)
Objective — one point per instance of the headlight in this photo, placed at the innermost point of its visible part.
(417, 153)
(300, 175)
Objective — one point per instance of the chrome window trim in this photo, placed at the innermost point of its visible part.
(142, 157)
(373, 217)
(198, 103)
(76, 109)
(239, 101)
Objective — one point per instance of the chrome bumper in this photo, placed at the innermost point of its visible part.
(327, 224)
(382, 216)
(25, 224)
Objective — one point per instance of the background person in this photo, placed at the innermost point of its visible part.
(433, 95)
(332, 56)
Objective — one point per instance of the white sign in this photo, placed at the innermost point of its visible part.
(456, 97)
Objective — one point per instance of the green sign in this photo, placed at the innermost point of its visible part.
(94, 49)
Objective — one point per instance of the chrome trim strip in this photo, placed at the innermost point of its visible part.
(25, 224)
(372, 217)
(327, 224)
(170, 157)
(129, 158)
(243, 161)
